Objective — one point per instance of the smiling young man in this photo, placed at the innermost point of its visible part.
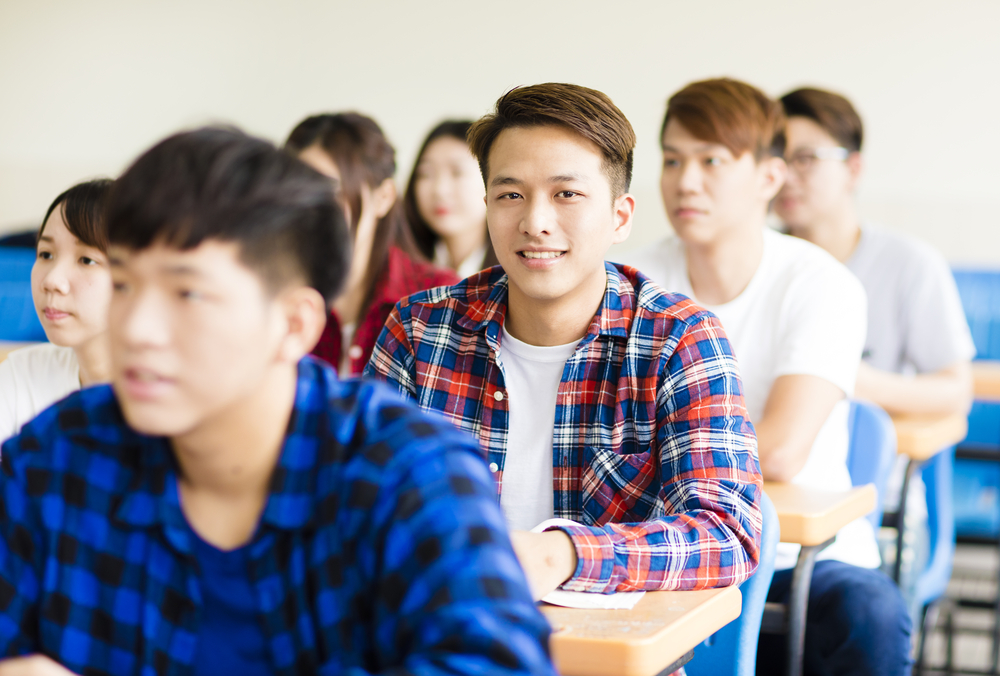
(797, 321)
(918, 348)
(228, 505)
(597, 397)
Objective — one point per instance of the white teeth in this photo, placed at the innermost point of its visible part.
(542, 254)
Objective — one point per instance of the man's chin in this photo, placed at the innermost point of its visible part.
(155, 420)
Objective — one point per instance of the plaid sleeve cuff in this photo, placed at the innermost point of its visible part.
(595, 558)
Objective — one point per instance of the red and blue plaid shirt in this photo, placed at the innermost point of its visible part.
(653, 451)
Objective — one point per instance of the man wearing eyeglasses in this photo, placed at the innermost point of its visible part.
(918, 347)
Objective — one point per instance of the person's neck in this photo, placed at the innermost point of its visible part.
(719, 271)
(94, 360)
(559, 322)
(837, 232)
(461, 245)
(226, 465)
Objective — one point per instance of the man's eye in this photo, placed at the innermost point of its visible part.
(510, 196)
(188, 294)
(670, 162)
(568, 194)
(119, 287)
(713, 161)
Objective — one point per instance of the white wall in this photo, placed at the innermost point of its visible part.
(85, 86)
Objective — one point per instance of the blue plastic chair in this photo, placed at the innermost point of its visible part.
(18, 320)
(733, 649)
(871, 451)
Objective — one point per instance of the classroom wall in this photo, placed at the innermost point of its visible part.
(85, 86)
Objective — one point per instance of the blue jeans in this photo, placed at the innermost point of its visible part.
(857, 623)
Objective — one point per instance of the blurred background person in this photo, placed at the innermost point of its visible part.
(445, 202)
(353, 152)
(71, 289)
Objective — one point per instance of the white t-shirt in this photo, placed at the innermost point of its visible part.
(802, 313)
(915, 319)
(31, 380)
(532, 375)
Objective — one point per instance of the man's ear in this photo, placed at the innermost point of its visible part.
(305, 316)
(773, 172)
(384, 196)
(855, 166)
(624, 210)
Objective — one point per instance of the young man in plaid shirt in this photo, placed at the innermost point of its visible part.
(597, 397)
(229, 506)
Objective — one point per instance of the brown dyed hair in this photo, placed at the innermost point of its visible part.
(83, 208)
(424, 236)
(588, 112)
(363, 156)
(731, 113)
(832, 112)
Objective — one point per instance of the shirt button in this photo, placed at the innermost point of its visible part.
(498, 395)
(494, 467)
(355, 352)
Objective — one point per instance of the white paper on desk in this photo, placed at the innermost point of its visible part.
(575, 599)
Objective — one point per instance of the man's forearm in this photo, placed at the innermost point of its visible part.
(941, 392)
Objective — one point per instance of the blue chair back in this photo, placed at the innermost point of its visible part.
(937, 476)
(871, 451)
(18, 320)
(733, 649)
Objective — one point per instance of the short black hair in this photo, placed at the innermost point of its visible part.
(82, 208)
(831, 111)
(220, 183)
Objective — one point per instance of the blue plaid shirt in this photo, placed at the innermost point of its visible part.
(381, 545)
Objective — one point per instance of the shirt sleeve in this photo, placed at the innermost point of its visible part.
(937, 332)
(710, 484)
(20, 560)
(822, 327)
(392, 360)
(8, 401)
(453, 599)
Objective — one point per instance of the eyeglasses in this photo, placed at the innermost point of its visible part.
(803, 161)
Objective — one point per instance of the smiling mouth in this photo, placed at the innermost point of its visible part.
(540, 254)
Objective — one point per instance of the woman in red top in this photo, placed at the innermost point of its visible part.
(352, 150)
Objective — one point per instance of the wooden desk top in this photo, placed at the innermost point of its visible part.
(921, 436)
(811, 517)
(642, 641)
(986, 379)
(6, 347)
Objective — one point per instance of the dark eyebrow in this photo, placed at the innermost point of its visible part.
(505, 180)
(699, 149)
(566, 178)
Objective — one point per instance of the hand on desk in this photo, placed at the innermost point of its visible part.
(33, 665)
(548, 559)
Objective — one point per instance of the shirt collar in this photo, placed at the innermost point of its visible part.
(487, 293)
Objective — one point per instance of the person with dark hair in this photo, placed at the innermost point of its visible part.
(228, 505)
(353, 152)
(444, 202)
(918, 348)
(71, 288)
(599, 399)
(796, 318)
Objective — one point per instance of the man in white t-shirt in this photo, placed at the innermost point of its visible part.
(796, 319)
(918, 348)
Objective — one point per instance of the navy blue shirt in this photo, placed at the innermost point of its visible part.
(231, 639)
(381, 545)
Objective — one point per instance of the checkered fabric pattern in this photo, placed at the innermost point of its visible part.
(401, 277)
(653, 451)
(380, 548)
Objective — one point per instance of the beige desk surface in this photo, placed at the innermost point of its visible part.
(6, 347)
(811, 517)
(642, 641)
(921, 436)
(986, 380)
